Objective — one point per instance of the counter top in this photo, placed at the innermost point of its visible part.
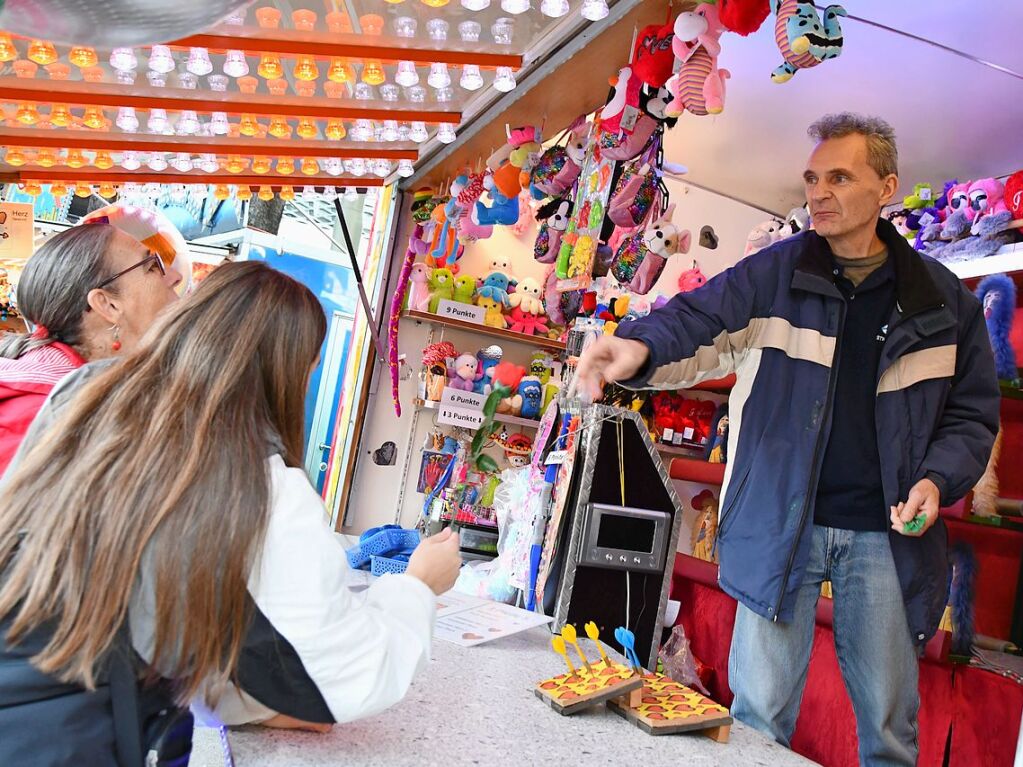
(476, 706)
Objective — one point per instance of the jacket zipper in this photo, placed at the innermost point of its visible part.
(818, 460)
(727, 515)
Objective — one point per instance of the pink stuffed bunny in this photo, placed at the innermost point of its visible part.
(419, 291)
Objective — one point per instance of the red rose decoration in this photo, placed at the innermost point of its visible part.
(508, 374)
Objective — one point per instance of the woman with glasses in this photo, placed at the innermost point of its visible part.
(90, 292)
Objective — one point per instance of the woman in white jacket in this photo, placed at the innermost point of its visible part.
(167, 490)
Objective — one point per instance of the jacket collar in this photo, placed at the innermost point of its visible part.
(915, 289)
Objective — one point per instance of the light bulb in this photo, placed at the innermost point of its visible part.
(198, 62)
(270, 66)
(356, 167)
(334, 90)
(188, 123)
(418, 132)
(306, 69)
(218, 83)
(15, 157)
(107, 190)
(130, 161)
(277, 87)
(304, 20)
(234, 164)
(305, 88)
(403, 132)
(469, 31)
(514, 7)
(123, 59)
(126, 77)
(407, 74)
(443, 95)
(416, 94)
(42, 52)
(339, 71)
(309, 193)
(157, 161)
(279, 127)
(208, 163)
(285, 166)
(188, 81)
(504, 80)
(389, 92)
(435, 3)
(335, 130)
(235, 64)
(58, 189)
(7, 50)
(182, 162)
(372, 24)
(405, 26)
(127, 120)
(248, 85)
(390, 130)
(57, 71)
(27, 114)
(439, 77)
(268, 17)
(405, 168)
(244, 194)
(338, 23)
(247, 125)
(31, 188)
(219, 125)
(333, 166)
(595, 10)
(310, 167)
(363, 92)
(446, 133)
(555, 9)
(382, 168)
(261, 165)
(93, 118)
(437, 29)
(221, 192)
(26, 70)
(82, 56)
(363, 130)
(103, 161)
(378, 133)
(502, 31)
(83, 190)
(93, 74)
(471, 78)
(287, 193)
(306, 128)
(373, 73)
(75, 158)
(161, 60)
(156, 79)
(157, 122)
(236, 19)
(46, 158)
(178, 194)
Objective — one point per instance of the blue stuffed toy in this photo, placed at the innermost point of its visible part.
(997, 294)
(487, 362)
(532, 397)
(495, 287)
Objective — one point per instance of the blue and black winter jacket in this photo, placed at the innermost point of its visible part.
(774, 320)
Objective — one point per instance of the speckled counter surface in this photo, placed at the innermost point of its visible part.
(476, 706)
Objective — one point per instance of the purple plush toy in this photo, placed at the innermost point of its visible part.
(997, 294)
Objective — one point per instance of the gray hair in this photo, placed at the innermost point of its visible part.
(882, 155)
(54, 287)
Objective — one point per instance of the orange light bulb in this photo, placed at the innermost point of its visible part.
(266, 193)
(287, 193)
(248, 126)
(94, 118)
(305, 88)
(270, 66)
(83, 190)
(304, 20)
(58, 188)
(277, 87)
(32, 188)
(25, 69)
(82, 57)
(221, 192)
(339, 71)
(279, 127)
(235, 164)
(7, 50)
(244, 194)
(247, 84)
(261, 165)
(14, 157)
(310, 167)
(27, 114)
(373, 73)
(306, 69)
(335, 130)
(42, 52)
(334, 90)
(60, 116)
(372, 24)
(286, 166)
(106, 189)
(46, 158)
(338, 23)
(58, 71)
(268, 17)
(306, 128)
(93, 74)
(103, 161)
(74, 159)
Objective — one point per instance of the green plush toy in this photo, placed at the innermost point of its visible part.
(465, 289)
(442, 285)
(922, 196)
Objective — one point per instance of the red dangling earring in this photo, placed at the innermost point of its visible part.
(116, 345)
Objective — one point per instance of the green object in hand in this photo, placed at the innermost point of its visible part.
(916, 524)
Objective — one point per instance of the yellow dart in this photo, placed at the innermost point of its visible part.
(558, 643)
(594, 634)
(568, 632)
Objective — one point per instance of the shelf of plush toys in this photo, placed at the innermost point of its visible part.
(540, 342)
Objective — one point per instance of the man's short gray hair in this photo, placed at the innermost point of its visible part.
(882, 154)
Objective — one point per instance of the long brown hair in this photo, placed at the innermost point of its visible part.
(165, 453)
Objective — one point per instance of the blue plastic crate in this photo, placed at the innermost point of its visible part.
(384, 565)
(383, 541)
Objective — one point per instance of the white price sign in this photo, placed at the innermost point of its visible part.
(458, 311)
(459, 416)
(462, 399)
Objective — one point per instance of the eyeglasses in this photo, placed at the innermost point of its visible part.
(152, 257)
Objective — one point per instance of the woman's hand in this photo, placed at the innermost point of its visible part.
(436, 561)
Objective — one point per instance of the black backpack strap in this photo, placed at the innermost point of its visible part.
(124, 700)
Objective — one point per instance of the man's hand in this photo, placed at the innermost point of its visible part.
(608, 359)
(924, 499)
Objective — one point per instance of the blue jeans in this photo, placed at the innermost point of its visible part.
(768, 662)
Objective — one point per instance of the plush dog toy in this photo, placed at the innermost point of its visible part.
(662, 239)
(699, 85)
(803, 39)
(555, 216)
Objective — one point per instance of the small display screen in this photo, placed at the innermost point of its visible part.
(626, 533)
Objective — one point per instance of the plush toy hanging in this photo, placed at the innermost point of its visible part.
(997, 294)
(744, 17)
(396, 304)
(691, 279)
(555, 215)
(641, 257)
(652, 56)
(764, 234)
(803, 39)
(699, 85)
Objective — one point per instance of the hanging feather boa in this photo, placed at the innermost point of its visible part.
(964, 574)
(415, 247)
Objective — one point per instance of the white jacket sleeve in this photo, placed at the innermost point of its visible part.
(362, 657)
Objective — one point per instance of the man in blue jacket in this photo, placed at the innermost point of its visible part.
(865, 399)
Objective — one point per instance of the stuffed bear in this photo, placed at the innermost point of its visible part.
(442, 285)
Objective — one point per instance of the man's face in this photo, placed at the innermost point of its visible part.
(844, 193)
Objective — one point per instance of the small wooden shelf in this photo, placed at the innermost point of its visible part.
(540, 342)
(514, 420)
(690, 470)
